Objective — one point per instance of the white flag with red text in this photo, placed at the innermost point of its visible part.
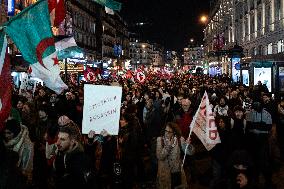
(203, 124)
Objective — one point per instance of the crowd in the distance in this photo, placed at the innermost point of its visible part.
(42, 145)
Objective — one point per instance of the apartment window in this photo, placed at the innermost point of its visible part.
(269, 48)
(280, 46)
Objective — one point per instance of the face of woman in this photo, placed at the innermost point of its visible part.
(122, 122)
(8, 135)
(20, 105)
(169, 133)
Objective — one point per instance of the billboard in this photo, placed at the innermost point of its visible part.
(263, 75)
(236, 69)
(281, 79)
(245, 74)
(11, 7)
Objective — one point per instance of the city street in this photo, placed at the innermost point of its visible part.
(141, 94)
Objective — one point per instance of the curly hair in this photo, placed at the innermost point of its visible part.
(175, 128)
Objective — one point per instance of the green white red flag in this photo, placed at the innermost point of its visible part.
(31, 32)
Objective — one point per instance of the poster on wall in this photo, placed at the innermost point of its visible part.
(245, 74)
(263, 75)
(236, 69)
(281, 79)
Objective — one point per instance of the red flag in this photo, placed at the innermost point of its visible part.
(57, 12)
(6, 91)
(128, 75)
(141, 77)
(90, 74)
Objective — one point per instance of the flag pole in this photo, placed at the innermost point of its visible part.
(191, 128)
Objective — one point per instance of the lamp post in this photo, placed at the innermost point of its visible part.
(204, 19)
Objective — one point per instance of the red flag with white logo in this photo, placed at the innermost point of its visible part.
(90, 74)
(5, 82)
(140, 76)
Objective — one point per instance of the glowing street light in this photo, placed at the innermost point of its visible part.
(204, 19)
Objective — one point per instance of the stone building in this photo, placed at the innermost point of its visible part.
(158, 55)
(140, 53)
(258, 27)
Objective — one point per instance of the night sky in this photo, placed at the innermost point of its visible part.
(171, 23)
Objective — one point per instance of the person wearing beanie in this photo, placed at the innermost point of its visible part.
(16, 138)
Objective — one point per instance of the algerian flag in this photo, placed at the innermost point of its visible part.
(67, 48)
(31, 32)
(114, 5)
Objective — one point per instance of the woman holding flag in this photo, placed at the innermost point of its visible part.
(169, 147)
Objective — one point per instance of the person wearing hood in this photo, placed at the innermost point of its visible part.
(72, 166)
(16, 138)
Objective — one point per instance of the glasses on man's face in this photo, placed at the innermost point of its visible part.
(167, 131)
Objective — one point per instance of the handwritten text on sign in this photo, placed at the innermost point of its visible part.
(101, 108)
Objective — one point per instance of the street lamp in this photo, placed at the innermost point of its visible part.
(204, 19)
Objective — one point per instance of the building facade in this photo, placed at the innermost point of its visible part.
(140, 53)
(157, 56)
(258, 27)
(193, 56)
(82, 15)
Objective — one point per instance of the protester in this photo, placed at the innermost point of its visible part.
(149, 105)
(129, 148)
(280, 128)
(72, 166)
(238, 126)
(221, 152)
(259, 124)
(170, 170)
(16, 138)
(221, 109)
(11, 176)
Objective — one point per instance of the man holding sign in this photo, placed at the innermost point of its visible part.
(101, 108)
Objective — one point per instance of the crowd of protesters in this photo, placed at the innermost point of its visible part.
(42, 145)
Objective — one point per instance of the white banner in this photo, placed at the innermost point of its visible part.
(203, 124)
(101, 108)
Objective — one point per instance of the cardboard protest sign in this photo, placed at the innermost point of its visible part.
(101, 108)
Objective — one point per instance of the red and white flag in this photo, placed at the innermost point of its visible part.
(57, 12)
(5, 81)
(90, 74)
(203, 124)
(140, 76)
